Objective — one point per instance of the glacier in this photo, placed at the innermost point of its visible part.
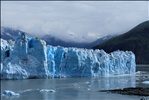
(30, 57)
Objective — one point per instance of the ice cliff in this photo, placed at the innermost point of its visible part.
(31, 58)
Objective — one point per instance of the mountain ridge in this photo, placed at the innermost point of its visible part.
(135, 40)
(10, 33)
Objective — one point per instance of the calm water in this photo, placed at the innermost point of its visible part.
(73, 88)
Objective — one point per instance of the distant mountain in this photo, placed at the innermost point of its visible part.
(55, 42)
(10, 33)
(135, 40)
(99, 41)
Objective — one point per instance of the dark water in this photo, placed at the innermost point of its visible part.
(73, 88)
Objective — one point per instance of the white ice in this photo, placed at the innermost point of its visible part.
(10, 93)
(32, 58)
(145, 82)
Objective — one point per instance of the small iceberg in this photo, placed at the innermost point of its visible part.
(145, 82)
(27, 90)
(10, 93)
(47, 90)
(87, 82)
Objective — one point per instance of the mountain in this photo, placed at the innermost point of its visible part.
(99, 41)
(135, 40)
(55, 42)
(10, 33)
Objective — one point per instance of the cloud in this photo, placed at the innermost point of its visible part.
(79, 21)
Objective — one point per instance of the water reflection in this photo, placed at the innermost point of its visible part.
(114, 82)
(71, 88)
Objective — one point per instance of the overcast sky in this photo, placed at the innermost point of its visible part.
(80, 21)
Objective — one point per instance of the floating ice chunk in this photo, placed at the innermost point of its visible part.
(87, 82)
(145, 82)
(76, 85)
(144, 98)
(28, 90)
(10, 93)
(47, 90)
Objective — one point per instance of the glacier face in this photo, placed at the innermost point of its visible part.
(31, 58)
(68, 62)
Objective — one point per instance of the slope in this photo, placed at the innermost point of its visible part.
(135, 40)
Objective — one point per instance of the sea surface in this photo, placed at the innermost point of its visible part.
(73, 88)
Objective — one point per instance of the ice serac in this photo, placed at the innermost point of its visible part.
(25, 59)
(31, 58)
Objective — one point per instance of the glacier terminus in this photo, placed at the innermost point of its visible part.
(30, 57)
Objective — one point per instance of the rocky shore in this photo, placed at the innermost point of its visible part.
(139, 91)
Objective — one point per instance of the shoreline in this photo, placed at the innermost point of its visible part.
(142, 67)
(138, 91)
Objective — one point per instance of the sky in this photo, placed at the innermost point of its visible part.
(77, 21)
